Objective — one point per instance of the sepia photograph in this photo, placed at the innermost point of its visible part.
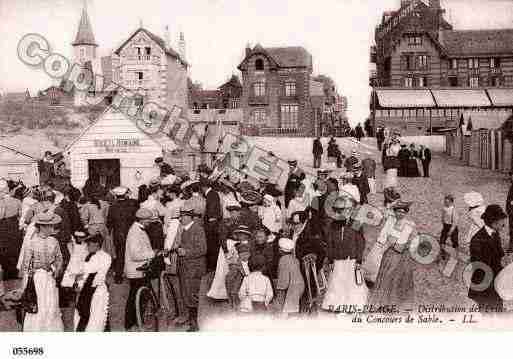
(217, 166)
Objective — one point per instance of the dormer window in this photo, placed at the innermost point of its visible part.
(259, 65)
(414, 40)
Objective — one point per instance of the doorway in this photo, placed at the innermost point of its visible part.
(106, 171)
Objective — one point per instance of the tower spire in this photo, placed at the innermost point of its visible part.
(85, 34)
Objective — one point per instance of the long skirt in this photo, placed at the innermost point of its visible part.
(394, 284)
(218, 287)
(48, 317)
(99, 311)
(29, 232)
(390, 178)
(346, 286)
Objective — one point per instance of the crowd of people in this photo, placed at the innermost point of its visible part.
(262, 250)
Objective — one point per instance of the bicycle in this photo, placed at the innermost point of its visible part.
(147, 302)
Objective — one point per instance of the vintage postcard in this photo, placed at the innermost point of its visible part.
(226, 166)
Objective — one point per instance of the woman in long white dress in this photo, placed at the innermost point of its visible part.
(43, 259)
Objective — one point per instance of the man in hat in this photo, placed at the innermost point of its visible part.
(361, 181)
(192, 265)
(317, 152)
(120, 218)
(380, 137)
(192, 197)
(138, 251)
(425, 157)
(165, 169)
(476, 208)
(91, 312)
(403, 156)
(228, 225)
(486, 247)
(10, 235)
(212, 218)
(250, 201)
(296, 175)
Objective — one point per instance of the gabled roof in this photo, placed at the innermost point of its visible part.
(233, 81)
(477, 42)
(286, 57)
(160, 41)
(85, 34)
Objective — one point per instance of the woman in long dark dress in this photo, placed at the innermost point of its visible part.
(412, 167)
(486, 247)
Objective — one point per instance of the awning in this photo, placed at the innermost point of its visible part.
(461, 98)
(484, 120)
(405, 98)
(501, 97)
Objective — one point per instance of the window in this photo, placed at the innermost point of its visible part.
(259, 89)
(422, 81)
(289, 116)
(147, 50)
(290, 88)
(139, 75)
(453, 81)
(495, 82)
(495, 62)
(474, 82)
(408, 82)
(408, 62)
(453, 64)
(422, 61)
(259, 65)
(258, 117)
(414, 40)
(473, 63)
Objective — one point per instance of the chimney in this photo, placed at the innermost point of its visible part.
(167, 38)
(181, 45)
(248, 49)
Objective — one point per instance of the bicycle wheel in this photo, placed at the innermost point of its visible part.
(169, 294)
(146, 310)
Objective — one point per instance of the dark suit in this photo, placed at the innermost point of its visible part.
(509, 211)
(317, 153)
(403, 156)
(213, 217)
(119, 220)
(426, 160)
(488, 250)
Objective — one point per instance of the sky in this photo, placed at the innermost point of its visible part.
(338, 33)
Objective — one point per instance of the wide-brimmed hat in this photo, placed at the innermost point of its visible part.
(350, 190)
(80, 236)
(402, 205)
(292, 163)
(188, 183)
(493, 213)
(120, 191)
(473, 199)
(286, 244)
(242, 230)
(144, 213)
(47, 218)
(251, 197)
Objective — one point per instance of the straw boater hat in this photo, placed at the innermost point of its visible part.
(286, 244)
(402, 205)
(95, 238)
(144, 213)
(473, 199)
(242, 230)
(251, 197)
(233, 205)
(47, 218)
(187, 210)
(292, 163)
(120, 191)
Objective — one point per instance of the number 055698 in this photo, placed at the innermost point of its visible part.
(27, 351)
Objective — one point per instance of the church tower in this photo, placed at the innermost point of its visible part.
(84, 46)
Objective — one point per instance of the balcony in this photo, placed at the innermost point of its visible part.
(258, 100)
(144, 59)
(496, 71)
(281, 132)
(138, 83)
